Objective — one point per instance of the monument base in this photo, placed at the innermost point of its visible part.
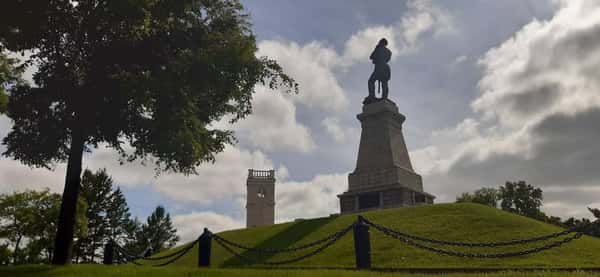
(383, 177)
(383, 198)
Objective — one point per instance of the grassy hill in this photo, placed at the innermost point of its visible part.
(458, 222)
(139, 271)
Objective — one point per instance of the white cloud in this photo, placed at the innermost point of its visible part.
(15, 176)
(460, 60)
(314, 198)
(312, 66)
(360, 45)
(226, 178)
(190, 226)
(334, 129)
(422, 18)
(536, 115)
(273, 126)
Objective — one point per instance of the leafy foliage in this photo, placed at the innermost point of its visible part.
(9, 76)
(594, 230)
(31, 217)
(5, 254)
(154, 74)
(158, 231)
(485, 196)
(522, 198)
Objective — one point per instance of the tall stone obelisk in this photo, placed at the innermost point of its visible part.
(384, 176)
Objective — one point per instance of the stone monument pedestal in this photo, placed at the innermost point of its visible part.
(384, 177)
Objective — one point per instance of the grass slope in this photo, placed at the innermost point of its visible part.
(459, 222)
(134, 271)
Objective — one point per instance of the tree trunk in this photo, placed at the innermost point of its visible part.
(63, 245)
(16, 251)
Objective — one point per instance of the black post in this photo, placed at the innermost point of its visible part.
(204, 248)
(109, 253)
(362, 244)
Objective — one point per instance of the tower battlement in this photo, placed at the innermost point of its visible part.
(261, 174)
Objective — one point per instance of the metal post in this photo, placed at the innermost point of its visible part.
(362, 244)
(109, 253)
(204, 248)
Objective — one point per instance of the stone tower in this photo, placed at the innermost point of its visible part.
(260, 199)
(383, 177)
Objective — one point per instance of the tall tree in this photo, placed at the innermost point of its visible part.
(150, 74)
(134, 241)
(107, 213)
(158, 230)
(522, 198)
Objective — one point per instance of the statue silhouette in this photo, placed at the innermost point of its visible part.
(380, 57)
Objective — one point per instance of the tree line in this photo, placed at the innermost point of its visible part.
(526, 200)
(29, 219)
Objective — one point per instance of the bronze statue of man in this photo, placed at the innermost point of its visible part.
(380, 58)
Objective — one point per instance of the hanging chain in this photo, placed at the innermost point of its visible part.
(282, 250)
(479, 244)
(393, 234)
(333, 240)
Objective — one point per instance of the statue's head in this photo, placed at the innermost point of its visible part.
(383, 42)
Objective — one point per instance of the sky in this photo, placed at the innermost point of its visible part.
(493, 91)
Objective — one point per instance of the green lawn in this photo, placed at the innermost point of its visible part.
(111, 271)
(461, 222)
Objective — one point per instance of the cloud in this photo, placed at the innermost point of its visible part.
(460, 59)
(314, 198)
(190, 226)
(421, 18)
(335, 129)
(15, 176)
(224, 179)
(312, 66)
(273, 125)
(536, 117)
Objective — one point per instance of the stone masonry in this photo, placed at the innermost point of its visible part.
(260, 198)
(383, 177)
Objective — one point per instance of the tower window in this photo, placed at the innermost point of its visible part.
(261, 193)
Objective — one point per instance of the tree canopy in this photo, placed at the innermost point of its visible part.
(152, 75)
(522, 198)
(485, 196)
(158, 231)
(28, 222)
(9, 76)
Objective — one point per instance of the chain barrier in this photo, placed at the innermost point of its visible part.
(481, 244)
(125, 253)
(281, 250)
(181, 253)
(333, 239)
(393, 234)
(126, 257)
(122, 256)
